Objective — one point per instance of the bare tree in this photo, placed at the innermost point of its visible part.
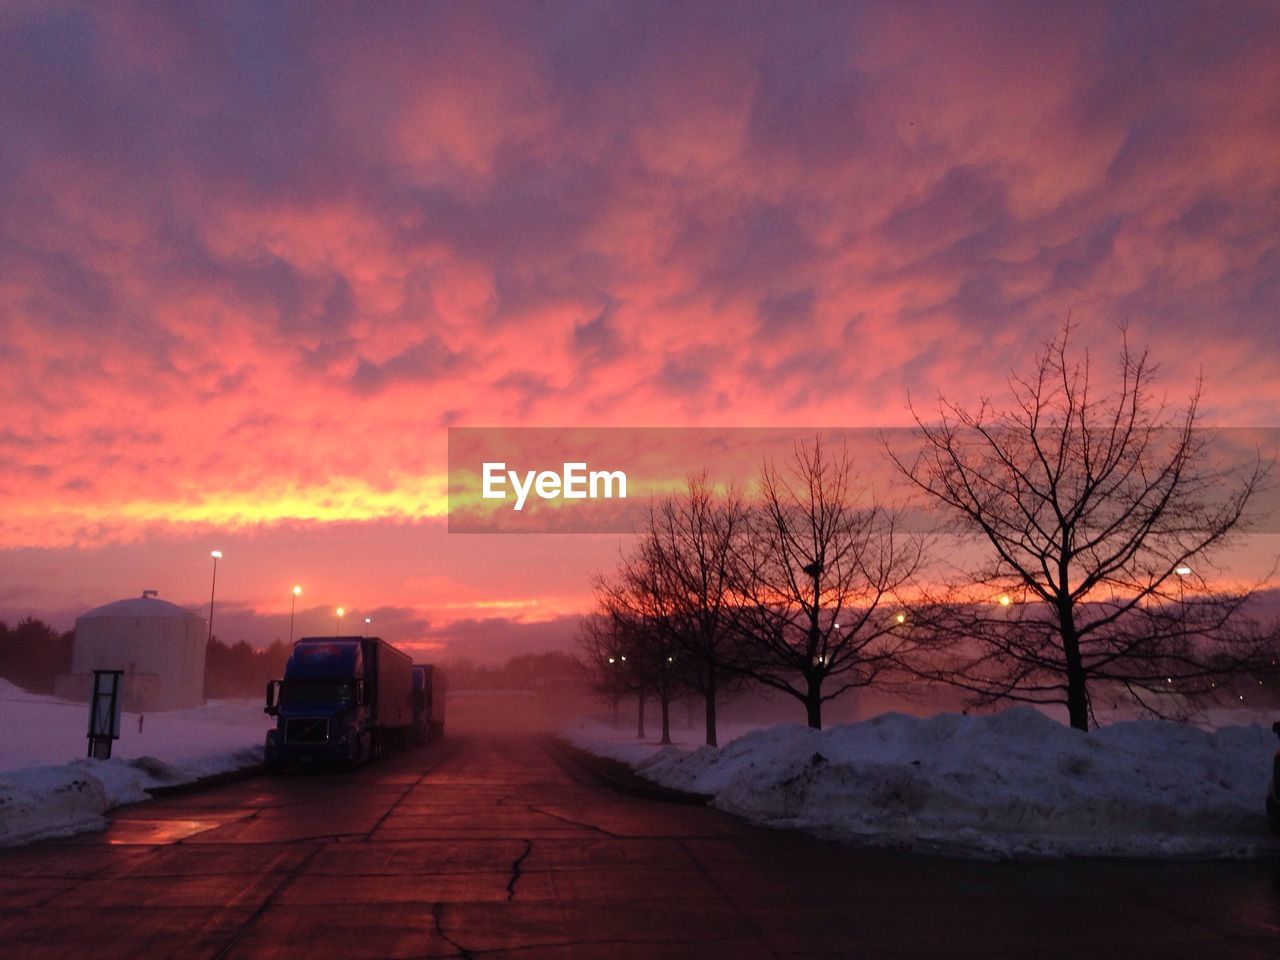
(819, 578)
(690, 550)
(1100, 515)
(641, 611)
(599, 648)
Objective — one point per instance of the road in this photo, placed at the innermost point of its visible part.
(484, 845)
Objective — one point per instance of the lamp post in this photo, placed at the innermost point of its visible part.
(217, 555)
(337, 621)
(367, 621)
(293, 600)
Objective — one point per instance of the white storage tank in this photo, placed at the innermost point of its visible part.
(159, 645)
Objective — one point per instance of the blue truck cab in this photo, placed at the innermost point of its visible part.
(341, 700)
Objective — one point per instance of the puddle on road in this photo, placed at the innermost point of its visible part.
(123, 832)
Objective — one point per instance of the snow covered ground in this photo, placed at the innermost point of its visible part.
(1014, 784)
(49, 788)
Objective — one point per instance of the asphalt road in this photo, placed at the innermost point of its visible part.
(485, 845)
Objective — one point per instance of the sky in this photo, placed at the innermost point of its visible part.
(256, 259)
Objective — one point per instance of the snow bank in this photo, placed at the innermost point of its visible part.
(42, 795)
(1013, 784)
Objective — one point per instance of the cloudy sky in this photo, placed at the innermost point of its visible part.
(256, 259)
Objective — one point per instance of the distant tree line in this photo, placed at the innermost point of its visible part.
(241, 671)
(549, 670)
(1097, 514)
(33, 654)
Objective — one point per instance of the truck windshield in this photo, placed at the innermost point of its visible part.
(314, 691)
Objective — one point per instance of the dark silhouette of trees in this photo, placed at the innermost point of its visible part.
(689, 550)
(553, 669)
(669, 609)
(818, 578)
(1100, 514)
(600, 652)
(33, 654)
(240, 670)
(632, 639)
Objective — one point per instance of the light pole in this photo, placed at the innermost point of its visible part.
(337, 622)
(217, 555)
(297, 590)
(367, 621)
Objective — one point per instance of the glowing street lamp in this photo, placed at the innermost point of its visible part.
(901, 618)
(297, 591)
(217, 555)
(337, 621)
(367, 621)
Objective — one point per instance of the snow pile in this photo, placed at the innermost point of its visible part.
(42, 795)
(1014, 784)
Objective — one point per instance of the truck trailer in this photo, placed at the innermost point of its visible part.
(428, 702)
(342, 700)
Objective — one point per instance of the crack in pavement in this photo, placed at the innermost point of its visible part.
(271, 898)
(733, 905)
(541, 948)
(574, 823)
(435, 917)
(515, 869)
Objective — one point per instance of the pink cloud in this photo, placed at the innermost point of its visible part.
(251, 267)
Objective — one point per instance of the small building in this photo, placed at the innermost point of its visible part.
(160, 646)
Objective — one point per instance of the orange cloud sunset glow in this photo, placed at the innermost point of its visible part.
(256, 259)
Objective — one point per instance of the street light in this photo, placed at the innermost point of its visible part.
(217, 555)
(337, 621)
(297, 591)
(367, 621)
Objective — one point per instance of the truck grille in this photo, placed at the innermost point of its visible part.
(306, 730)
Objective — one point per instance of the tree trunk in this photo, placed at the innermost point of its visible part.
(1077, 692)
(666, 719)
(640, 716)
(711, 705)
(813, 701)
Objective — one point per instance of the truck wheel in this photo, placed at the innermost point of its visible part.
(271, 761)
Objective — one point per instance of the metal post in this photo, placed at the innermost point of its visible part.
(212, 590)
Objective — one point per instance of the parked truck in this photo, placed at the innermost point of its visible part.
(1273, 788)
(342, 700)
(428, 702)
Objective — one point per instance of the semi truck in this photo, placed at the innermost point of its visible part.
(342, 700)
(1273, 788)
(428, 702)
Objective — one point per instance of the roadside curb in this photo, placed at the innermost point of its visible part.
(205, 783)
(616, 775)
